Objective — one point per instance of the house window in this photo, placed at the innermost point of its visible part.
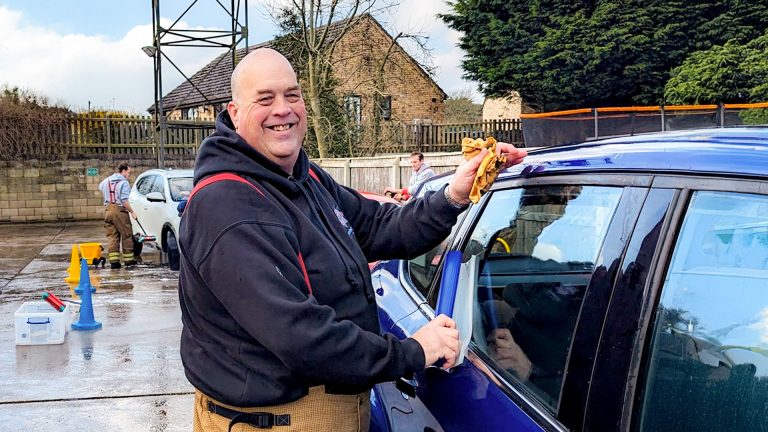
(189, 114)
(352, 105)
(385, 108)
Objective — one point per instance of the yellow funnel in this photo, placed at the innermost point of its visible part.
(74, 267)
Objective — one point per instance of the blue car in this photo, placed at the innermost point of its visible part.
(618, 285)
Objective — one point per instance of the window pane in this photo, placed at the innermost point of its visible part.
(145, 185)
(422, 269)
(158, 185)
(709, 358)
(537, 247)
(180, 187)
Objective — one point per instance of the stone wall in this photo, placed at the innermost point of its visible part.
(38, 191)
(48, 191)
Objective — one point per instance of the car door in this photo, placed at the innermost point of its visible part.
(156, 210)
(549, 251)
(688, 350)
(140, 203)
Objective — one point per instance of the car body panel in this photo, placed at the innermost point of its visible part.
(739, 151)
(379, 197)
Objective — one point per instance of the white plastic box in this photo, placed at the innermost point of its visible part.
(38, 323)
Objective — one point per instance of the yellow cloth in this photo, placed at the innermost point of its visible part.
(489, 167)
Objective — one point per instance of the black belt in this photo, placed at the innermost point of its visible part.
(260, 420)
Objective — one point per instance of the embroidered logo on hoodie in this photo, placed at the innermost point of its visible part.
(344, 222)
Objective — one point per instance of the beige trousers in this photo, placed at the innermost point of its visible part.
(117, 223)
(318, 411)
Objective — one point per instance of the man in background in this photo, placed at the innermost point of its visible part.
(421, 172)
(115, 190)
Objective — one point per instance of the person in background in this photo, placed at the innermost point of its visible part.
(117, 222)
(421, 172)
(280, 320)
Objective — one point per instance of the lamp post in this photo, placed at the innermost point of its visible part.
(160, 121)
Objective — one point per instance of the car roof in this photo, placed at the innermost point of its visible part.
(723, 151)
(170, 173)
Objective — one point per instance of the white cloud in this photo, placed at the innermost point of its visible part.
(73, 69)
(421, 16)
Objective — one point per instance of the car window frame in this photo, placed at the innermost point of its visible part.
(637, 358)
(627, 180)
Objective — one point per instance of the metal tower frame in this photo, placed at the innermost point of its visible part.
(189, 38)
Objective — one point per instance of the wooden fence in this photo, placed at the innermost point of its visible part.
(133, 135)
(441, 137)
(140, 136)
(374, 174)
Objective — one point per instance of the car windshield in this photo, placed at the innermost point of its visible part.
(180, 187)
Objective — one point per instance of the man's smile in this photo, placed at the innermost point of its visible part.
(281, 127)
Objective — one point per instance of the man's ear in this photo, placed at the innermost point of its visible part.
(233, 110)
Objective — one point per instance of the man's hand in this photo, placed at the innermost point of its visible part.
(508, 354)
(439, 339)
(461, 184)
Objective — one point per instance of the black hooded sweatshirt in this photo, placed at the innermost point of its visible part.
(255, 333)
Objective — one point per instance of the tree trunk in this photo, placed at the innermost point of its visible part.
(316, 114)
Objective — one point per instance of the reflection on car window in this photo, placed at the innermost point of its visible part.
(180, 188)
(422, 268)
(144, 186)
(537, 249)
(709, 360)
(158, 185)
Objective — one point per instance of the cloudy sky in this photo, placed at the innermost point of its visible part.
(80, 51)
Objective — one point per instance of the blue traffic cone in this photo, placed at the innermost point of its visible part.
(85, 278)
(86, 321)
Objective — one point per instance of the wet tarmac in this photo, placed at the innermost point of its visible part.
(127, 376)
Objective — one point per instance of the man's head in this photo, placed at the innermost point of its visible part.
(267, 107)
(123, 169)
(417, 160)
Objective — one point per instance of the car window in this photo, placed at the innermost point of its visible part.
(158, 185)
(180, 188)
(537, 249)
(708, 368)
(422, 269)
(144, 185)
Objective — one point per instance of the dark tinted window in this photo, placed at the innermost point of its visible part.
(537, 250)
(709, 359)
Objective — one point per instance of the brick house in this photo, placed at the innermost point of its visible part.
(408, 94)
(509, 107)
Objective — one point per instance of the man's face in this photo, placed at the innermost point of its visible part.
(416, 163)
(269, 112)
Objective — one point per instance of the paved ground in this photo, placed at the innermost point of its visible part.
(125, 377)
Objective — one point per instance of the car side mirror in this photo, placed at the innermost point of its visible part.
(155, 197)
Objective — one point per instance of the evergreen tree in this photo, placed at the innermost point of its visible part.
(562, 54)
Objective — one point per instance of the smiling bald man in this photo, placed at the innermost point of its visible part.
(280, 319)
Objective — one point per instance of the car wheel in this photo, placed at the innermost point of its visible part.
(172, 246)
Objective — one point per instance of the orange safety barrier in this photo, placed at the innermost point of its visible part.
(644, 109)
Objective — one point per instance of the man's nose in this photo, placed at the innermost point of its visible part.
(281, 106)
